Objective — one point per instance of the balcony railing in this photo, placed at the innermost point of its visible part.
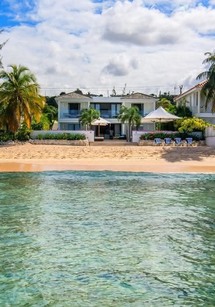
(74, 114)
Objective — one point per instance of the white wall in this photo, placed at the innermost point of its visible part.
(210, 136)
(136, 135)
(89, 133)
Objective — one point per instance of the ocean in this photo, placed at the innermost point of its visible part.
(107, 239)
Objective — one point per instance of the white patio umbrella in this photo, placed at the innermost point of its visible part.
(100, 122)
(159, 116)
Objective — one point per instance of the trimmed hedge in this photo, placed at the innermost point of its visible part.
(163, 135)
(61, 136)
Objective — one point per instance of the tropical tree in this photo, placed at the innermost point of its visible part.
(131, 116)
(1, 46)
(20, 101)
(88, 116)
(208, 89)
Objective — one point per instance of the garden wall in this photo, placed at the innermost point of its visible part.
(89, 133)
(210, 136)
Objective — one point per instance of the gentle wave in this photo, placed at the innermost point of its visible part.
(107, 239)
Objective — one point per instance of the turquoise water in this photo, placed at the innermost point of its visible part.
(107, 239)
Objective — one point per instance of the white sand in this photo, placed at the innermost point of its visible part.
(28, 157)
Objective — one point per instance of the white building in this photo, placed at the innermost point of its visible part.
(195, 101)
(71, 104)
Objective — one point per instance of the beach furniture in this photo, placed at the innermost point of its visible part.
(189, 141)
(158, 141)
(167, 141)
(178, 142)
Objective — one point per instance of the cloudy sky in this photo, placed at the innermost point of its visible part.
(96, 45)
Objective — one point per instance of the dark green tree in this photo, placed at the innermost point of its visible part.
(20, 101)
(88, 116)
(208, 89)
(131, 116)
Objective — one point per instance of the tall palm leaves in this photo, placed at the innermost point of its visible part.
(131, 116)
(208, 89)
(88, 116)
(19, 98)
(1, 46)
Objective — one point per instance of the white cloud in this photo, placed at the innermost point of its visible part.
(120, 65)
(73, 46)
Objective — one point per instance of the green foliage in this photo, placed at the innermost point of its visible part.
(61, 136)
(131, 116)
(88, 116)
(1, 46)
(19, 98)
(47, 119)
(164, 103)
(192, 124)
(6, 136)
(166, 96)
(50, 101)
(23, 134)
(208, 89)
(161, 135)
(183, 111)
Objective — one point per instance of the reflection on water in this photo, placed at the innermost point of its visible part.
(107, 239)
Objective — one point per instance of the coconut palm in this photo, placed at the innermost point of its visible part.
(20, 101)
(88, 116)
(131, 116)
(1, 46)
(208, 89)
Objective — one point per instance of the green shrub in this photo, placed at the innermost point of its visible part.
(161, 135)
(23, 134)
(7, 136)
(192, 124)
(61, 136)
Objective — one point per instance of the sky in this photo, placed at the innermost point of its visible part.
(100, 45)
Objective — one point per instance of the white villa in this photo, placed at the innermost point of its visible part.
(71, 104)
(196, 103)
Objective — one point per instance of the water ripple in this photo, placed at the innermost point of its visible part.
(107, 239)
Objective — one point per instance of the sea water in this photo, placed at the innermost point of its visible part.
(107, 239)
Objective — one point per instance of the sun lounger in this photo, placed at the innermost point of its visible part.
(189, 141)
(178, 142)
(167, 141)
(158, 141)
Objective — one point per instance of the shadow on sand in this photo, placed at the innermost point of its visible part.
(196, 153)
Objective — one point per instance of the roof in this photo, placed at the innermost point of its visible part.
(197, 86)
(73, 95)
(137, 96)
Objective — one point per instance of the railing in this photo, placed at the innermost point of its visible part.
(71, 115)
(108, 114)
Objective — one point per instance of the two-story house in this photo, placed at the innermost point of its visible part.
(71, 104)
(195, 101)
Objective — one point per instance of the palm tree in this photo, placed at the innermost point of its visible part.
(208, 89)
(131, 116)
(88, 116)
(20, 101)
(1, 46)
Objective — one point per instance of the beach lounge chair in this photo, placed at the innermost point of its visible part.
(157, 141)
(178, 142)
(167, 141)
(189, 141)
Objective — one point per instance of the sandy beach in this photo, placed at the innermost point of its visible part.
(32, 158)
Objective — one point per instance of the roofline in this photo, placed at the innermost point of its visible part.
(199, 85)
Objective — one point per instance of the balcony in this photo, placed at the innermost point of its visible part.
(73, 114)
(108, 114)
